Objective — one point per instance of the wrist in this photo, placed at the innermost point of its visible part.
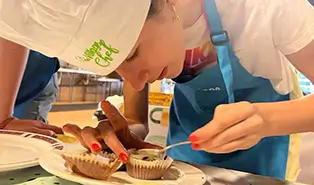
(287, 117)
(6, 121)
(4, 114)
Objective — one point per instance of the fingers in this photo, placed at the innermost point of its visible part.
(138, 143)
(41, 131)
(32, 126)
(239, 144)
(54, 128)
(245, 128)
(75, 131)
(225, 117)
(116, 146)
(112, 141)
(89, 135)
(117, 120)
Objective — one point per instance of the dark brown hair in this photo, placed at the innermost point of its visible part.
(155, 8)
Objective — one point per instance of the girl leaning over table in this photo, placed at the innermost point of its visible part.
(230, 61)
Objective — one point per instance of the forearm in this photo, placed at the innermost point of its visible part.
(136, 108)
(13, 59)
(289, 117)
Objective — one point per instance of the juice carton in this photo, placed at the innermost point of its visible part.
(158, 118)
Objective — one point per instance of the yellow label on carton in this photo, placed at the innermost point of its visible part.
(160, 99)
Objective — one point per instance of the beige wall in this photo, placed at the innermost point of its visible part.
(155, 87)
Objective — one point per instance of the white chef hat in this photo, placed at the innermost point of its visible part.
(96, 35)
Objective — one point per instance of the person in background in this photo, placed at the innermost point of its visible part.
(39, 108)
(232, 68)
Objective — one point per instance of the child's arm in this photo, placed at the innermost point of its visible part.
(13, 59)
(136, 108)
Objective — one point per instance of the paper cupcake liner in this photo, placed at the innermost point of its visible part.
(148, 170)
(89, 165)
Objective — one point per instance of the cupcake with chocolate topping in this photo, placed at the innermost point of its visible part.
(97, 166)
(147, 166)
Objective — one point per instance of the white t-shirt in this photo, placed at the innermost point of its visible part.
(261, 32)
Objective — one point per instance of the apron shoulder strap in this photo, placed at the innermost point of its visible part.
(220, 39)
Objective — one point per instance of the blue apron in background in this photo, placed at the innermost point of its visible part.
(194, 103)
(38, 72)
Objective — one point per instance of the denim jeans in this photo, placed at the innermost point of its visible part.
(38, 108)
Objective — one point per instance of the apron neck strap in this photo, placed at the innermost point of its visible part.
(218, 35)
(220, 40)
(212, 15)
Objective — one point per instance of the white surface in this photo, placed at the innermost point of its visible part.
(220, 176)
(189, 175)
(22, 151)
(257, 21)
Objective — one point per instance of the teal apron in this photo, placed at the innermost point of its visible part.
(194, 103)
(38, 72)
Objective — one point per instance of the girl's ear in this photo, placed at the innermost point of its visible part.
(171, 4)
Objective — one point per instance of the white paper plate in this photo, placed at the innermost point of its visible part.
(20, 150)
(179, 174)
